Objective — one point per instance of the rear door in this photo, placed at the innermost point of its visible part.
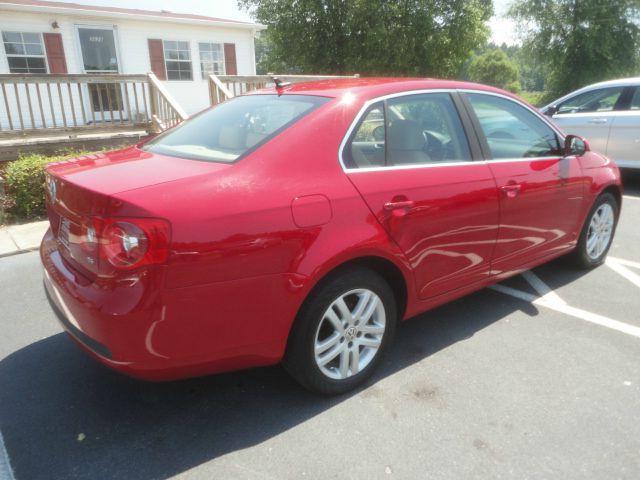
(624, 137)
(541, 191)
(590, 115)
(409, 157)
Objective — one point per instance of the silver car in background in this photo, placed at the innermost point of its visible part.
(607, 114)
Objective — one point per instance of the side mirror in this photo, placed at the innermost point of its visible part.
(575, 145)
(551, 111)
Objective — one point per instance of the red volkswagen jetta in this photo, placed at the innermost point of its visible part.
(300, 224)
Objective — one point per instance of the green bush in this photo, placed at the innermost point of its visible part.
(24, 197)
(514, 87)
(537, 99)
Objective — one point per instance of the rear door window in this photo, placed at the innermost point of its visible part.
(234, 128)
(409, 130)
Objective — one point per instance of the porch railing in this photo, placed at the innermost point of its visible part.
(165, 111)
(44, 105)
(224, 87)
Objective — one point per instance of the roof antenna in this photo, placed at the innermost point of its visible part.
(279, 83)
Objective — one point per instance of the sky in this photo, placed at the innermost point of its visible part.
(502, 29)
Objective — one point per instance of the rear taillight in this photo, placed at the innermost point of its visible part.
(105, 246)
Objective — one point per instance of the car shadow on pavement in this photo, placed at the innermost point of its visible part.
(65, 416)
(631, 182)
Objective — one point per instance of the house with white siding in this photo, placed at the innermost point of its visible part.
(44, 37)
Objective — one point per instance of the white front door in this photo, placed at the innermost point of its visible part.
(100, 56)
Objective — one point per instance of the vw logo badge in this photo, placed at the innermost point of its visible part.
(52, 189)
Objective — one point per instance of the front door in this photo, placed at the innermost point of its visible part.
(100, 56)
(541, 191)
(410, 160)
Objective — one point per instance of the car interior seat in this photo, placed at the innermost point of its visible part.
(406, 143)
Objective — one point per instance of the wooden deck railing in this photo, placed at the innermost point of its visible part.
(224, 87)
(44, 105)
(165, 111)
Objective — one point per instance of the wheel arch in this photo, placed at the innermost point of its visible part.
(614, 190)
(386, 268)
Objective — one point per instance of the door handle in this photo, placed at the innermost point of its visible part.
(401, 204)
(598, 121)
(512, 190)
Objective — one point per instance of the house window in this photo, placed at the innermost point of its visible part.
(211, 59)
(177, 58)
(25, 52)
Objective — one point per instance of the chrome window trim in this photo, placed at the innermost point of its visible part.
(368, 103)
(449, 164)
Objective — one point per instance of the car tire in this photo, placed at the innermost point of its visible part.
(597, 233)
(341, 332)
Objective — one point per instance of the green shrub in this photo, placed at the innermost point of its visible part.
(514, 87)
(537, 99)
(24, 197)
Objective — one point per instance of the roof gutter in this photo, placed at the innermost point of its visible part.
(81, 12)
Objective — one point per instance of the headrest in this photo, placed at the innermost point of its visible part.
(405, 135)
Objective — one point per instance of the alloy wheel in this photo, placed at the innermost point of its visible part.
(349, 334)
(600, 231)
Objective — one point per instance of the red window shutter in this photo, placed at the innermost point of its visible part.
(55, 52)
(156, 55)
(230, 65)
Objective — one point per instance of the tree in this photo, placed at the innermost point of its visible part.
(372, 37)
(495, 68)
(578, 42)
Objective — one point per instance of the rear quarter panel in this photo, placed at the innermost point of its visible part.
(240, 266)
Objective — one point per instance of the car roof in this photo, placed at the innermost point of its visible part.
(619, 82)
(373, 87)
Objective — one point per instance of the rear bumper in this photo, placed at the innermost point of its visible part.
(94, 346)
(138, 327)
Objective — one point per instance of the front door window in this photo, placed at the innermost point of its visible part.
(98, 50)
(99, 55)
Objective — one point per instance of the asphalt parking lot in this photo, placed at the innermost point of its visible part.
(538, 379)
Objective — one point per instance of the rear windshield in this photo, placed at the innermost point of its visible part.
(234, 128)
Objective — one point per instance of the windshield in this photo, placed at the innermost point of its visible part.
(233, 128)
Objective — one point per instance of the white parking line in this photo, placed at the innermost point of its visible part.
(629, 197)
(549, 299)
(622, 261)
(6, 473)
(542, 288)
(617, 267)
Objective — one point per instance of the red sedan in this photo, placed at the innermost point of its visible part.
(299, 224)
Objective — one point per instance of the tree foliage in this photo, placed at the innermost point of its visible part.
(495, 68)
(578, 42)
(371, 37)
